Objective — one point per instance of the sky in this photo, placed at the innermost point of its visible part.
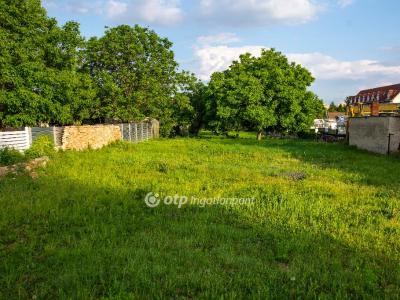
(348, 45)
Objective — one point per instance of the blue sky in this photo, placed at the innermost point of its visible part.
(347, 44)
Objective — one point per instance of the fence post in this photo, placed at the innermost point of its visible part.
(130, 131)
(28, 136)
(54, 136)
(136, 133)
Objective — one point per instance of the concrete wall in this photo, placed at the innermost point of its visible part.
(95, 137)
(155, 127)
(372, 133)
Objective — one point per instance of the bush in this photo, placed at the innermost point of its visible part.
(10, 156)
(42, 146)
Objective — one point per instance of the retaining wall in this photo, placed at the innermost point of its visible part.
(372, 134)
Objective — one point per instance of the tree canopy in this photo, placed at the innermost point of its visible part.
(265, 92)
(134, 71)
(39, 81)
(336, 108)
(49, 74)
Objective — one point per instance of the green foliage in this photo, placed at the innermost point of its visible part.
(39, 78)
(10, 157)
(189, 103)
(50, 74)
(334, 108)
(325, 223)
(42, 146)
(262, 93)
(136, 77)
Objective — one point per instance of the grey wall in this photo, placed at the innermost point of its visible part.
(372, 133)
(55, 133)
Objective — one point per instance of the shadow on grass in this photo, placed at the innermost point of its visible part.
(370, 169)
(61, 238)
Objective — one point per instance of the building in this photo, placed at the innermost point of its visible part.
(334, 116)
(385, 94)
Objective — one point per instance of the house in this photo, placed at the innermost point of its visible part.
(334, 116)
(385, 94)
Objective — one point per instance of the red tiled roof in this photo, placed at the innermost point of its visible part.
(382, 94)
(395, 87)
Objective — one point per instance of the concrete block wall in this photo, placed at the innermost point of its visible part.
(372, 134)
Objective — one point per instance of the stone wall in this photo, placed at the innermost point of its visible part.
(95, 137)
(372, 134)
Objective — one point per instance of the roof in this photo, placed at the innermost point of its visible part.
(383, 89)
(382, 94)
(334, 115)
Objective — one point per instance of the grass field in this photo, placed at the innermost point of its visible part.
(325, 223)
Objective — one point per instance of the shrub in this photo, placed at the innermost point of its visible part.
(10, 156)
(42, 146)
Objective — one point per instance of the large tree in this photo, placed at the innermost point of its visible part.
(261, 93)
(39, 81)
(136, 75)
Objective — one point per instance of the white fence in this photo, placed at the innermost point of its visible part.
(18, 139)
(22, 139)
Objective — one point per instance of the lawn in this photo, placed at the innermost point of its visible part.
(325, 223)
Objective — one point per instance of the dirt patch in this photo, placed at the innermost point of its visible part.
(29, 167)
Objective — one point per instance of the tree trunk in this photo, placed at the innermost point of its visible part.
(259, 135)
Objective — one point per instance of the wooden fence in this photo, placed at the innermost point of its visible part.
(21, 139)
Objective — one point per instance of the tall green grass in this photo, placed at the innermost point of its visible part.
(82, 229)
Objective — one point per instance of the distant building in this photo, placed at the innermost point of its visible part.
(334, 115)
(385, 94)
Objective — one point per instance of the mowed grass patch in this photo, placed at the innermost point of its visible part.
(82, 229)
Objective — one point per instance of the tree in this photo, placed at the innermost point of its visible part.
(332, 107)
(341, 108)
(39, 82)
(190, 109)
(262, 93)
(135, 73)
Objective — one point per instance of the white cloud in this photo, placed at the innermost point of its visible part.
(164, 12)
(390, 48)
(115, 9)
(224, 38)
(344, 3)
(80, 7)
(160, 11)
(324, 67)
(327, 67)
(218, 58)
(261, 12)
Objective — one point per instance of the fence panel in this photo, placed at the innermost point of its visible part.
(58, 135)
(136, 132)
(22, 139)
(19, 140)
